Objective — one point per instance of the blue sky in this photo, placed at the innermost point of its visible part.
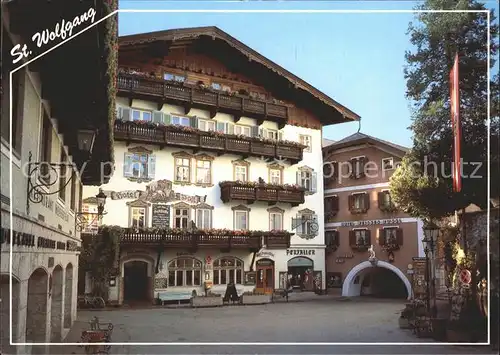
(357, 59)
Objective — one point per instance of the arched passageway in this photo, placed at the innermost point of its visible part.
(56, 304)
(68, 296)
(136, 282)
(36, 313)
(382, 280)
(5, 314)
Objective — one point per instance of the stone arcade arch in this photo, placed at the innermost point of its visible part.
(5, 314)
(68, 296)
(349, 289)
(56, 304)
(36, 313)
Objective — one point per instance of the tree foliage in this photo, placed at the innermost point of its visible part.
(436, 37)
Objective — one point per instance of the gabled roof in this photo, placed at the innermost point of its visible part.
(361, 138)
(327, 142)
(340, 113)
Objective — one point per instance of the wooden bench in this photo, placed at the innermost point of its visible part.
(280, 293)
(165, 296)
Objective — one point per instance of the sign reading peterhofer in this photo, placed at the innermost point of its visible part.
(300, 252)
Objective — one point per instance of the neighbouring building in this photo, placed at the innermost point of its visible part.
(218, 152)
(359, 214)
(56, 111)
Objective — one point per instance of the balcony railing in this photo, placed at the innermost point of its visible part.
(167, 91)
(261, 192)
(221, 239)
(211, 141)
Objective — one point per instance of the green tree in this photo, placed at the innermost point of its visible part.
(436, 38)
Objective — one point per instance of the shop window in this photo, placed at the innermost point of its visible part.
(228, 270)
(184, 271)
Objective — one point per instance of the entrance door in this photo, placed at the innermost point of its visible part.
(135, 281)
(300, 271)
(265, 276)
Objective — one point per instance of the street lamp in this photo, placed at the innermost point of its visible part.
(81, 221)
(431, 233)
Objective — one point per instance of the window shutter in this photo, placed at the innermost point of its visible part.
(314, 180)
(280, 135)
(336, 238)
(127, 165)
(255, 131)
(298, 178)
(118, 112)
(335, 203)
(335, 171)
(220, 127)
(193, 121)
(367, 201)
(351, 202)
(380, 199)
(167, 118)
(199, 218)
(229, 128)
(399, 236)
(125, 112)
(368, 237)
(158, 117)
(151, 166)
(381, 236)
(329, 238)
(352, 238)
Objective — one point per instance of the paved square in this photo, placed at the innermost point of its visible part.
(321, 320)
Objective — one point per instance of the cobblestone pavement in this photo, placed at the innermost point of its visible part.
(321, 320)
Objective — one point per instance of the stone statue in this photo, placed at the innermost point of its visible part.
(372, 253)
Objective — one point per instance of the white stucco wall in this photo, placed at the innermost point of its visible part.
(54, 219)
(222, 169)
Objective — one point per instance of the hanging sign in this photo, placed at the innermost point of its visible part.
(465, 277)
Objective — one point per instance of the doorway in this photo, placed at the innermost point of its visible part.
(265, 276)
(135, 278)
(300, 273)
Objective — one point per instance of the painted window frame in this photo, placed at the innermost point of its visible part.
(241, 164)
(238, 211)
(195, 267)
(178, 214)
(146, 160)
(132, 216)
(391, 159)
(231, 272)
(203, 158)
(203, 209)
(276, 211)
(302, 140)
(275, 168)
(184, 158)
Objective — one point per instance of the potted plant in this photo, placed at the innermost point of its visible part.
(208, 300)
(405, 317)
(252, 297)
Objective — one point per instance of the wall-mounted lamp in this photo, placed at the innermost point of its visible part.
(81, 221)
(46, 175)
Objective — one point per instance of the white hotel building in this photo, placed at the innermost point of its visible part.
(218, 168)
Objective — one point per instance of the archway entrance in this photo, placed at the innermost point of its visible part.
(36, 312)
(68, 296)
(5, 314)
(265, 276)
(135, 277)
(382, 280)
(56, 304)
(300, 273)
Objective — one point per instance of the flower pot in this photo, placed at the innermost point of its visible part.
(404, 323)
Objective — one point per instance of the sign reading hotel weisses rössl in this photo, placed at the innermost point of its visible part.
(372, 222)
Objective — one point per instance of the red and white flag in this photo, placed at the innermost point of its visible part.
(455, 124)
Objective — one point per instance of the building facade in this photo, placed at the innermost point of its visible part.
(362, 221)
(42, 175)
(216, 178)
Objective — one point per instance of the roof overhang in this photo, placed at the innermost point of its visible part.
(239, 57)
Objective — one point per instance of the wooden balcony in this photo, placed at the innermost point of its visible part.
(162, 91)
(218, 239)
(230, 191)
(185, 137)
